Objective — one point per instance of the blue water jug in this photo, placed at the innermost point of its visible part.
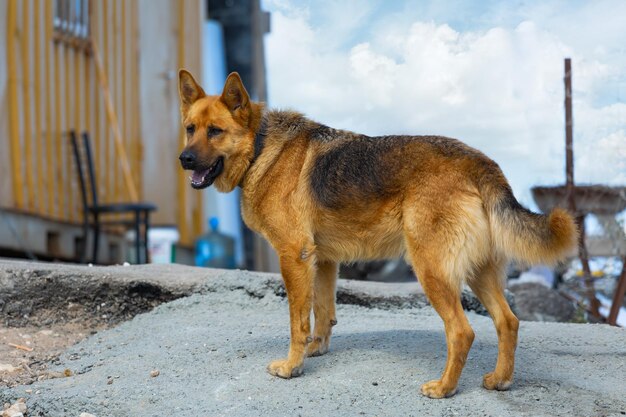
(214, 249)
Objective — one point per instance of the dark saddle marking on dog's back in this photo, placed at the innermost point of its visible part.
(363, 167)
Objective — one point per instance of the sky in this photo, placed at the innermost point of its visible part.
(489, 73)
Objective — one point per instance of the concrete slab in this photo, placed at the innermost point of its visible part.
(211, 350)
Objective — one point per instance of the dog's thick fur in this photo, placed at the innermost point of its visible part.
(322, 196)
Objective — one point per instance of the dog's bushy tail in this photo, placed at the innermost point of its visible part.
(526, 236)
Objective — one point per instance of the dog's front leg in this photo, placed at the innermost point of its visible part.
(298, 272)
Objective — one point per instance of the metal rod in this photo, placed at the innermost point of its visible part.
(618, 297)
(16, 152)
(569, 135)
(594, 303)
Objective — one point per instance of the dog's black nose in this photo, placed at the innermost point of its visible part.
(187, 159)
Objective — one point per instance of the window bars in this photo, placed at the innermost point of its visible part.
(71, 23)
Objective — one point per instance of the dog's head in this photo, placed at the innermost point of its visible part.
(219, 139)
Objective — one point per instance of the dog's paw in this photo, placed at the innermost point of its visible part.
(317, 347)
(492, 382)
(436, 389)
(282, 368)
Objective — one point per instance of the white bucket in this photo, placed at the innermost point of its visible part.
(161, 242)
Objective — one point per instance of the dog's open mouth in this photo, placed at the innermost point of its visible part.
(202, 178)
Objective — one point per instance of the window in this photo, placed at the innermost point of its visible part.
(71, 21)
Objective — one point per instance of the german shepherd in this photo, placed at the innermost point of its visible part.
(322, 196)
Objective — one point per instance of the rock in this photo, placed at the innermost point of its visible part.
(17, 409)
(7, 367)
(86, 415)
(536, 302)
(471, 303)
(154, 373)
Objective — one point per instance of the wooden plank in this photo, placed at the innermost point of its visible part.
(60, 209)
(48, 237)
(106, 145)
(51, 186)
(87, 93)
(113, 87)
(98, 134)
(182, 176)
(123, 91)
(68, 198)
(26, 101)
(113, 122)
(39, 138)
(135, 111)
(194, 27)
(77, 212)
(160, 116)
(16, 152)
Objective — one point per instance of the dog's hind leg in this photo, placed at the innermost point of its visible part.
(443, 245)
(323, 307)
(445, 298)
(487, 284)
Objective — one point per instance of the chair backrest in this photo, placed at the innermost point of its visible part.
(85, 169)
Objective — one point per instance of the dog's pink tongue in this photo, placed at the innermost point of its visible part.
(198, 176)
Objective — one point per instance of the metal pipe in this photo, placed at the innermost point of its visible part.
(569, 136)
(594, 303)
(618, 297)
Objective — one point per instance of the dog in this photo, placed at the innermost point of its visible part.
(322, 196)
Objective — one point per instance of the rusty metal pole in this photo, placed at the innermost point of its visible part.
(620, 290)
(594, 304)
(569, 137)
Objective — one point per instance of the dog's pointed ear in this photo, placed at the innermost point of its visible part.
(235, 95)
(188, 89)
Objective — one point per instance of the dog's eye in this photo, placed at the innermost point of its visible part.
(213, 131)
(190, 129)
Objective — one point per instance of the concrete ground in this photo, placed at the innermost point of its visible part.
(210, 349)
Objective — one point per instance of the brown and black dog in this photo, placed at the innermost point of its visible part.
(322, 196)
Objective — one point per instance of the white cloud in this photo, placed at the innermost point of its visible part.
(498, 88)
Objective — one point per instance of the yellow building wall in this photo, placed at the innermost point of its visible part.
(49, 85)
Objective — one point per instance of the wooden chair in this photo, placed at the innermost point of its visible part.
(93, 211)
